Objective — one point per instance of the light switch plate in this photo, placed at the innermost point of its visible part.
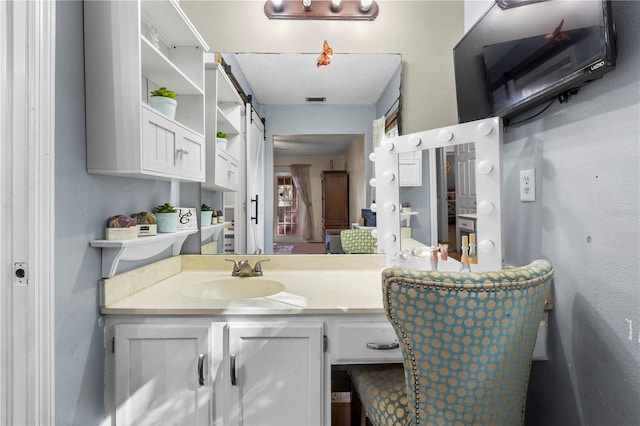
(528, 185)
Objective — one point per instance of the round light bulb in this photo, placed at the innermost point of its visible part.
(486, 246)
(445, 135)
(388, 146)
(484, 128)
(484, 167)
(374, 233)
(389, 177)
(372, 157)
(415, 140)
(372, 182)
(389, 207)
(390, 238)
(486, 207)
(373, 207)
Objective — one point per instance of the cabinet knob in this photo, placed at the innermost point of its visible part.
(182, 151)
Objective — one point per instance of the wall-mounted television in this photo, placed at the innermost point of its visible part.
(522, 54)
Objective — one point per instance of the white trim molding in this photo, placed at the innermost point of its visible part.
(27, 129)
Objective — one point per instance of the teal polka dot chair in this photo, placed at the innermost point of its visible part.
(358, 241)
(467, 341)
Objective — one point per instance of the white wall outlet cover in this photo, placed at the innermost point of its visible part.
(528, 185)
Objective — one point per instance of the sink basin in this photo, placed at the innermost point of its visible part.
(233, 288)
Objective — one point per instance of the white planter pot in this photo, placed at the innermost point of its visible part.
(222, 143)
(167, 106)
(167, 222)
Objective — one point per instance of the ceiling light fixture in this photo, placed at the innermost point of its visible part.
(362, 10)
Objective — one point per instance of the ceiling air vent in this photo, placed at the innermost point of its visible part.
(316, 100)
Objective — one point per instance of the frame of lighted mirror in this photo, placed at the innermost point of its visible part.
(487, 136)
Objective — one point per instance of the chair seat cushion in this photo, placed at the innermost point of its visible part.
(383, 393)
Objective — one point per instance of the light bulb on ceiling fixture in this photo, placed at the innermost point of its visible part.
(277, 4)
(335, 5)
(306, 4)
(365, 5)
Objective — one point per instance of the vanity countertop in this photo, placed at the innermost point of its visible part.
(313, 284)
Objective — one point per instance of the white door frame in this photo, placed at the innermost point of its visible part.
(27, 117)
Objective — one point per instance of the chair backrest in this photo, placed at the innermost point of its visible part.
(467, 340)
(358, 241)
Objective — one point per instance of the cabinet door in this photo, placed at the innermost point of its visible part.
(159, 143)
(190, 162)
(161, 375)
(278, 374)
(410, 168)
(226, 171)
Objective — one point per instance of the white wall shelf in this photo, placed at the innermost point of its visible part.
(113, 251)
(214, 231)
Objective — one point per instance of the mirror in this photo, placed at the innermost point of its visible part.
(482, 138)
(358, 89)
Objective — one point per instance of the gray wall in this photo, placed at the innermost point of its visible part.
(586, 222)
(83, 202)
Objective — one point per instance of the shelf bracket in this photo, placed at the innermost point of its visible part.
(114, 251)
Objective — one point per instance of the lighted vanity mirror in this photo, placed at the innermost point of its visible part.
(302, 132)
(484, 138)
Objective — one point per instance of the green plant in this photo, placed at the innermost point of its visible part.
(205, 208)
(221, 135)
(166, 208)
(164, 92)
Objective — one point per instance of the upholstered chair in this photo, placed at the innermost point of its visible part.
(467, 341)
(357, 241)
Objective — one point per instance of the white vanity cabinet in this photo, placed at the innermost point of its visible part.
(132, 48)
(161, 374)
(227, 370)
(276, 373)
(224, 111)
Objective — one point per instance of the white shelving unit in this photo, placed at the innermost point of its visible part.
(223, 107)
(131, 49)
(114, 251)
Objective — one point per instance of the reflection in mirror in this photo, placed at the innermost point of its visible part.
(477, 153)
(355, 90)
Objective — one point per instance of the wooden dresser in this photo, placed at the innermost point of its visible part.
(335, 200)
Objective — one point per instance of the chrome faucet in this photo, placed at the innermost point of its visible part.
(243, 269)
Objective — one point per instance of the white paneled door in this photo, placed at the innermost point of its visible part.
(27, 116)
(255, 182)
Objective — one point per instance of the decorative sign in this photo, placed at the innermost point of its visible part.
(187, 218)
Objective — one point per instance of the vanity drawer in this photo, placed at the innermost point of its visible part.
(466, 225)
(364, 342)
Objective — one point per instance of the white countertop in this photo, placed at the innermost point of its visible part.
(313, 284)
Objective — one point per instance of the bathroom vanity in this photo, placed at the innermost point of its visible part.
(184, 345)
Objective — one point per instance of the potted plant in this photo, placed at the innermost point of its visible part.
(164, 101)
(221, 140)
(167, 216)
(205, 215)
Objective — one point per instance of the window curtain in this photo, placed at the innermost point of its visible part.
(300, 175)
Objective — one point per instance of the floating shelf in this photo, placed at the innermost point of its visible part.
(113, 251)
(406, 218)
(212, 231)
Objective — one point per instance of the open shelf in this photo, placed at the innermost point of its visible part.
(113, 251)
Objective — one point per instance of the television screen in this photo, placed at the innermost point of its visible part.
(519, 57)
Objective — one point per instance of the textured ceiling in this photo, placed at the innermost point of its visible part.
(289, 78)
(303, 145)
